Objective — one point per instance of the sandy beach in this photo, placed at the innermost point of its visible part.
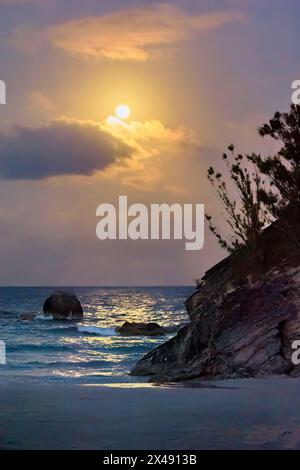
(232, 414)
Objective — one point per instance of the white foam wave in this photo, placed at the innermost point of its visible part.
(96, 330)
(42, 316)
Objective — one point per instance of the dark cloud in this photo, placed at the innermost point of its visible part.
(64, 147)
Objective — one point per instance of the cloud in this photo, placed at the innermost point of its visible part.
(135, 34)
(40, 101)
(158, 150)
(64, 147)
(135, 153)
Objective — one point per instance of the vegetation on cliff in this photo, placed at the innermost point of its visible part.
(245, 314)
(265, 189)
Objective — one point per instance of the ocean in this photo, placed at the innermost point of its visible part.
(89, 351)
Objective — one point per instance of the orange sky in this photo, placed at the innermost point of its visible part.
(196, 75)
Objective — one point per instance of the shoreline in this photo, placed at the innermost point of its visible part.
(225, 414)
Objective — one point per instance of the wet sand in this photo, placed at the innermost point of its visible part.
(232, 414)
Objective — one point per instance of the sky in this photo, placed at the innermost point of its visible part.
(197, 75)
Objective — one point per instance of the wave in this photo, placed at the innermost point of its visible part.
(61, 364)
(63, 329)
(42, 316)
(174, 327)
(8, 312)
(96, 330)
(38, 347)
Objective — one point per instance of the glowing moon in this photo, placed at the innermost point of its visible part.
(122, 111)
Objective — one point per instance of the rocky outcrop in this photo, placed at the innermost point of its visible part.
(63, 306)
(144, 329)
(244, 315)
(247, 331)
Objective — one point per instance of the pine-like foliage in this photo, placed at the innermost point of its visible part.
(245, 214)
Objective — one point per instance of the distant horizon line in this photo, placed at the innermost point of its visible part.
(95, 286)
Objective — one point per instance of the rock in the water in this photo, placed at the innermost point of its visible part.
(63, 306)
(144, 329)
(27, 316)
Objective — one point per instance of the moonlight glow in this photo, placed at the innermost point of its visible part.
(122, 111)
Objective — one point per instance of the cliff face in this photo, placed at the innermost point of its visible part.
(237, 329)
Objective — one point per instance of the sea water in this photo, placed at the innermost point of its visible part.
(89, 351)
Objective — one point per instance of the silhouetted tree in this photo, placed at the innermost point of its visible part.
(282, 169)
(246, 215)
